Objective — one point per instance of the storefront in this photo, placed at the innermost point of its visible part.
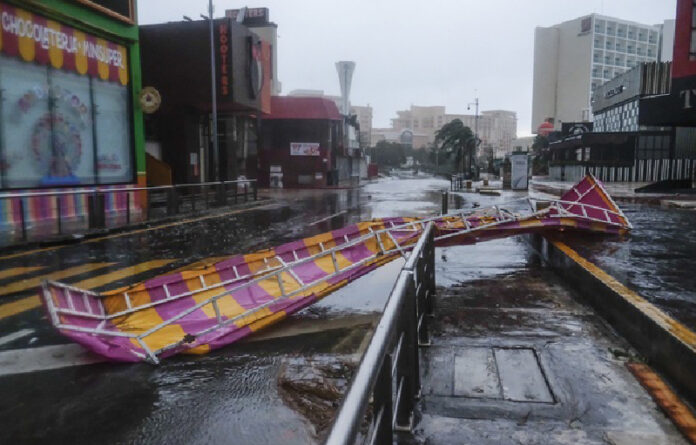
(301, 143)
(179, 133)
(69, 73)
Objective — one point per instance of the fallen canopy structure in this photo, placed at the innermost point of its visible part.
(194, 311)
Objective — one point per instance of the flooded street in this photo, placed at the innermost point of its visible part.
(655, 259)
(232, 395)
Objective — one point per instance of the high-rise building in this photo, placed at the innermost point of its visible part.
(573, 58)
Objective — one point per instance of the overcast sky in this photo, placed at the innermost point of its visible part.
(436, 52)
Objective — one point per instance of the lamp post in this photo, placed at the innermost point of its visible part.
(213, 92)
(476, 116)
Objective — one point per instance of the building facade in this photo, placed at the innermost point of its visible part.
(364, 117)
(302, 144)
(69, 114)
(179, 133)
(622, 144)
(496, 128)
(573, 58)
(258, 21)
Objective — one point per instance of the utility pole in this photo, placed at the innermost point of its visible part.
(214, 132)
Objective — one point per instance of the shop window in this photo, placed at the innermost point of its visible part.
(59, 128)
(112, 124)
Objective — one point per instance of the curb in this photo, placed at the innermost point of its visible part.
(667, 345)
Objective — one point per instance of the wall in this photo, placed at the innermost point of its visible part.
(574, 66)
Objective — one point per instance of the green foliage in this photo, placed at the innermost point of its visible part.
(388, 154)
(456, 140)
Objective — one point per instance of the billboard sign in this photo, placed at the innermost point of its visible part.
(520, 167)
(304, 149)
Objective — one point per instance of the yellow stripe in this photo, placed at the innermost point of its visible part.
(25, 304)
(681, 332)
(19, 286)
(27, 46)
(15, 271)
(55, 54)
(135, 232)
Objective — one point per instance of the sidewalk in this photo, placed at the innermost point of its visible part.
(516, 359)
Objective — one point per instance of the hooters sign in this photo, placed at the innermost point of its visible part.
(34, 38)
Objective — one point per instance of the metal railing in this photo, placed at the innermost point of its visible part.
(74, 211)
(389, 372)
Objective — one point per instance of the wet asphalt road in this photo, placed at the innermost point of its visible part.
(656, 259)
(230, 396)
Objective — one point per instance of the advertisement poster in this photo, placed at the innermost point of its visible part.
(520, 167)
(304, 149)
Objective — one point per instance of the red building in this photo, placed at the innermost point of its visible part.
(679, 107)
(301, 143)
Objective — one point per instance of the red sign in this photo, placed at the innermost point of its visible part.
(224, 48)
(34, 38)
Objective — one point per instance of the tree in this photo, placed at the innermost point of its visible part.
(456, 139)
(388, 154)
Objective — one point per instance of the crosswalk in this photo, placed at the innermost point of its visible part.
(28, 303)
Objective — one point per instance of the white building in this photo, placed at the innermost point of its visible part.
(573, 58)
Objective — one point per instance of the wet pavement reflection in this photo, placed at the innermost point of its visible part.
(231, 395)
(655, 259)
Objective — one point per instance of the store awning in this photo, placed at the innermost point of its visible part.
(284, 107)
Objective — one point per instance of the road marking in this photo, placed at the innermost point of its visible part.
(15, 335)
(15, 271)
(20, 361)
(134, 232)
(201, 264)
(22, 285)
(666, 399)
(328, 217)
(28, 303)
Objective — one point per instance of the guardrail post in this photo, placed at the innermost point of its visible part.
(97, 215)
(172, 202)
(256, 190)
(429, 255)
(22, 220)
(221, 194)
(59, 211)
(246, 192)
(382, 397)
(445, 202)
(128, 208)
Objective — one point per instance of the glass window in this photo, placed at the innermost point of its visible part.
(24, 90)
(111, 105)
(68, 154)
(58, 128)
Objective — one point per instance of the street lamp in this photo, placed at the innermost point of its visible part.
(216, 153)
(476, 116)
(213, 92)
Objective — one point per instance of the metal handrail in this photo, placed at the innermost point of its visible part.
(395, 341)
(119, 189)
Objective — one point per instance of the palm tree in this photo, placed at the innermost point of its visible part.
(454, 138)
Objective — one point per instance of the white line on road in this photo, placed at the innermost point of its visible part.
(20, 361)
(15, 335)
(328, 217)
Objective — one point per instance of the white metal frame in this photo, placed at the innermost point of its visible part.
(284, 267)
